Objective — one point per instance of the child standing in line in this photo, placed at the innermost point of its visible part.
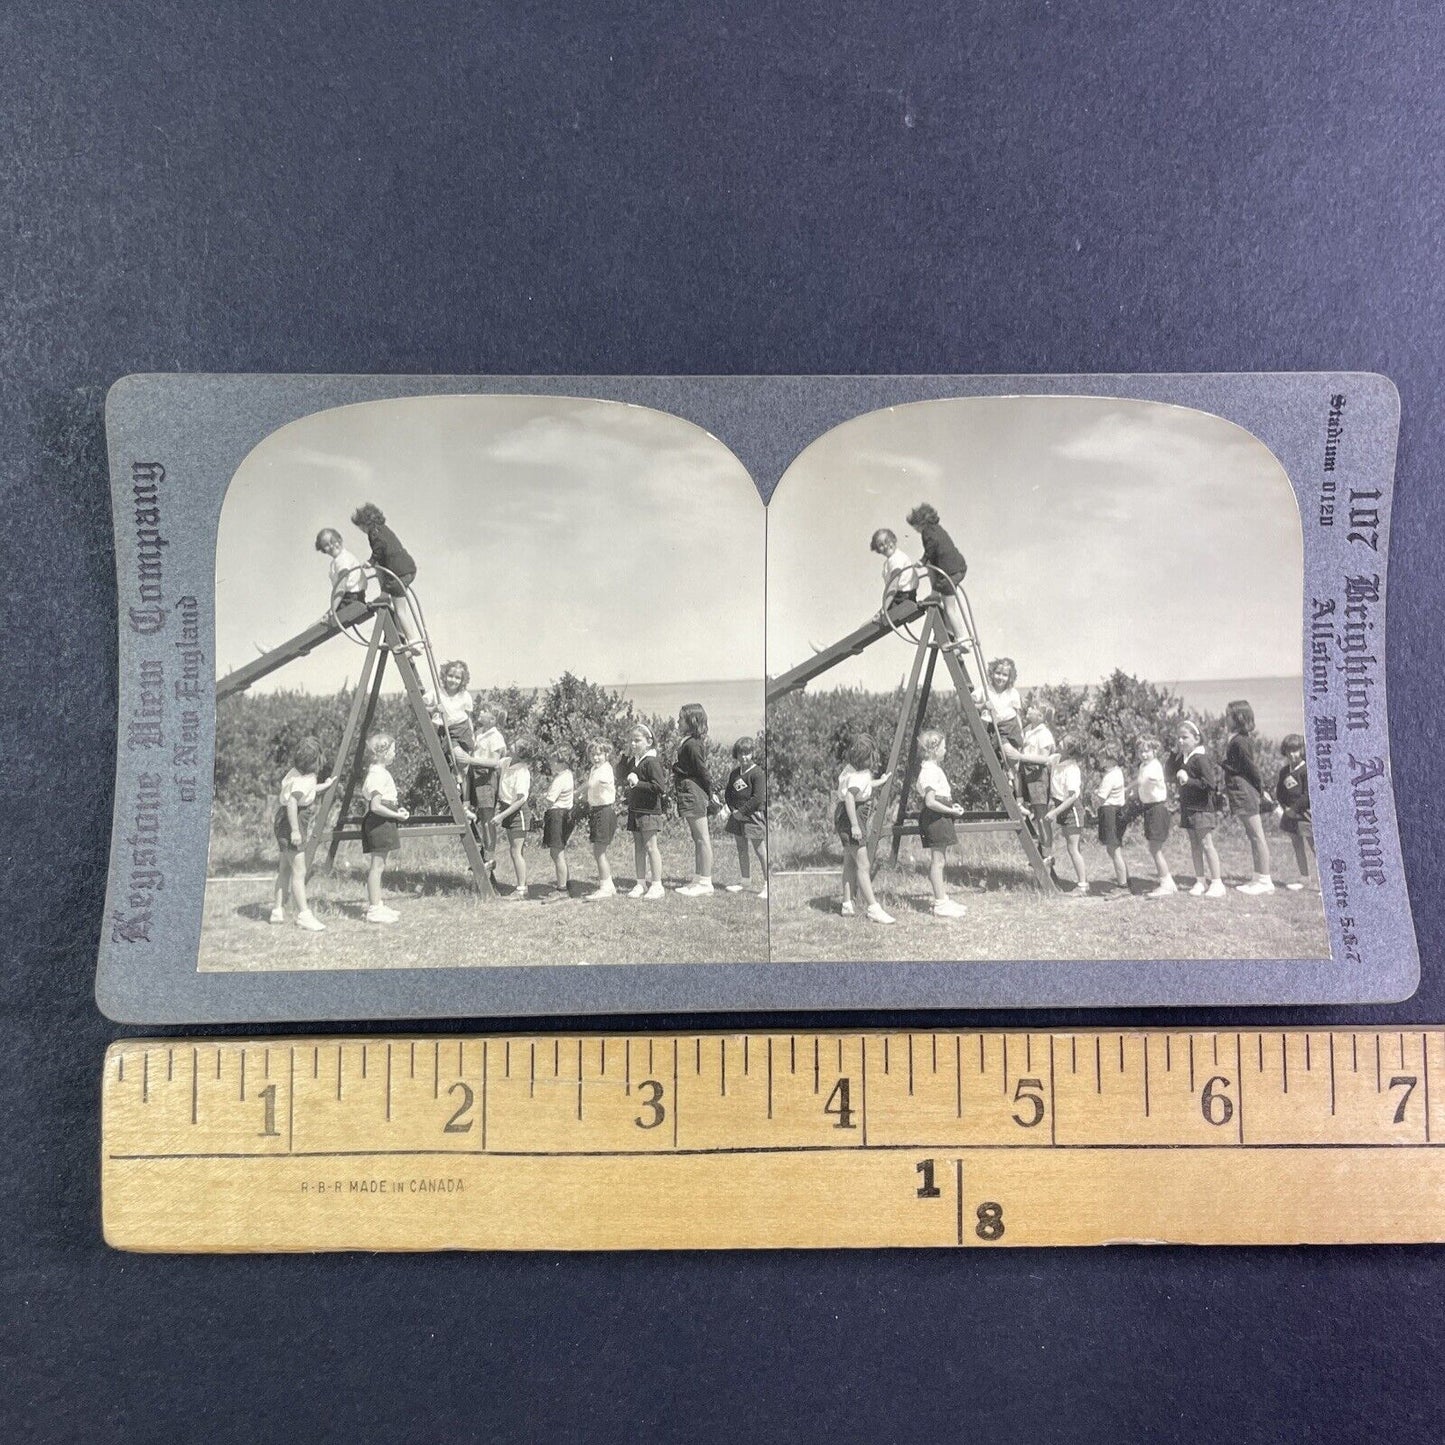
(348, 576)
(1153, 795)
(696, 794)
(1111, 796)
(485, 763)
(746, 796)
(900, 571)
(299, 790)
(1244, 787)
(602, 814)
(1066, 787)
(936, 819)
(396, 569)
(1033, 778)
(380, 837)
(451, 713)
(855, 804)
(646, 789)
(940, 553)
(1198, 781)
(557, 819)
(514, 787)
(1292, 810)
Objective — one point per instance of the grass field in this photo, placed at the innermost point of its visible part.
(444, 924)
(1010, 918)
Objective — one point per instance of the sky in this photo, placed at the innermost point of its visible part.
(1099, 534)
(551, 534)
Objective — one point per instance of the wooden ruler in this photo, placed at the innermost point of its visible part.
(796, 1140)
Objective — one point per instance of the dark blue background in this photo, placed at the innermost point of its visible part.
(611, 187)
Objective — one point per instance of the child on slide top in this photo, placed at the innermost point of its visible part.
(394, 569)
(940, 554)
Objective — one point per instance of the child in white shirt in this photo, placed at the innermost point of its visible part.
(348, 576)
(1066, 787)
(557, 819)
(855, 804)
(901, 575)
(380, 837)
(1110, 797)
(936, 819)
(299, 790)
(601, 813)
(514, 787)
(451, 715)
(1153, 795)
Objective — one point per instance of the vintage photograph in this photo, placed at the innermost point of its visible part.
(1035, 689)
(489, 691)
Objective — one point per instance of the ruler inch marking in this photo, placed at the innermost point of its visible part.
(159, 1196)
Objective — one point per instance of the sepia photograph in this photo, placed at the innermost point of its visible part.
(1035, 689)
(489, 692)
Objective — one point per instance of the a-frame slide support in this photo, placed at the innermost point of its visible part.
(386, 641)
(1008, 818)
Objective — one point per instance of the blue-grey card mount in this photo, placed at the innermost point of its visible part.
(498, 696)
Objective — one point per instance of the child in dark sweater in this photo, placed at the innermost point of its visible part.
(1244, 787)
(1292, 805)
(746, 795)
(943, 566)
(696, 795)
(393, 567)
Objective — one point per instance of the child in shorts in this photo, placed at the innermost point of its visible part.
(299, 790)
(936, 819)
(1152, 794)
(348, 576)
(1292, 805)
(697, 797)
(1066, 787)
(746, 797)
(380, 837)
(1033, 778)
(485, 763)
(1198, 779)
(1244, 787)
(514, 787)
(601, 814)
(850, 818)
(557, 817)
(1111, 797)
(646, 791)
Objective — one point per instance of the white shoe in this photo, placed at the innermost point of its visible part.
(1255, 886)
(763, 893)
(847, 910)
(638, 890)
(278, 915)
(1216, 890)
(381, 914)
(947, 908)
(606, 890)
(733, 888)
(698, 888)
(1166, 889)
(875, 914)
(310, 922)
(1199, 888)
(655, 892)
(1295, 887)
